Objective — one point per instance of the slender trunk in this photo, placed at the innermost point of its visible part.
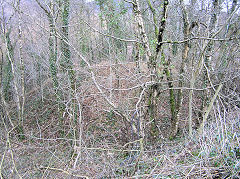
(200, 66)
(7, 70)
(161, 29)
(146, 46)
(185, 51)
(167, 71)
(172, 102)
(192, 83)
(2, 97)
(208, 60)
(53, 56)
(14, 75)
(154, 17)
(208, 108)
(21, 62)
(137, 57)
(65, 48)
(52, 45)
(141, 29)
(153, 63)
(1, 66)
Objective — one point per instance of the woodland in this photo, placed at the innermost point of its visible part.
(119, 89)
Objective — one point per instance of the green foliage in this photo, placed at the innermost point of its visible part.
(141, 50)
(84, 45)
(172, 66)
(171, 138)
(154, 130)
(213, 153)
(195, 153)
(111, 118)
(20, 133)
(100, 2)
(174, 49)
(181, 162)
(217, 164)
(236, 151)
(111, 13)
(82, 63)
(153, 43)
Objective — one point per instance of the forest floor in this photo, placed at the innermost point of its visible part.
(46, 147)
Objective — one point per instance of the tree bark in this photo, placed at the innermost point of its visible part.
(185, 51)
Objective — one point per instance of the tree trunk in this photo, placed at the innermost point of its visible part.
(207, 60)
(53, 56)
(186, 32)
(146, 46)
(52, 45)
(65, 48)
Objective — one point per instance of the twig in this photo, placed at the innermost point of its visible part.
(104, 149)
(11, 152)
(198, 38)
(155, 166)
(190, 171)
(1, 165)
(107, 35)
(63, 171)
(140, 155)
(131, 2)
